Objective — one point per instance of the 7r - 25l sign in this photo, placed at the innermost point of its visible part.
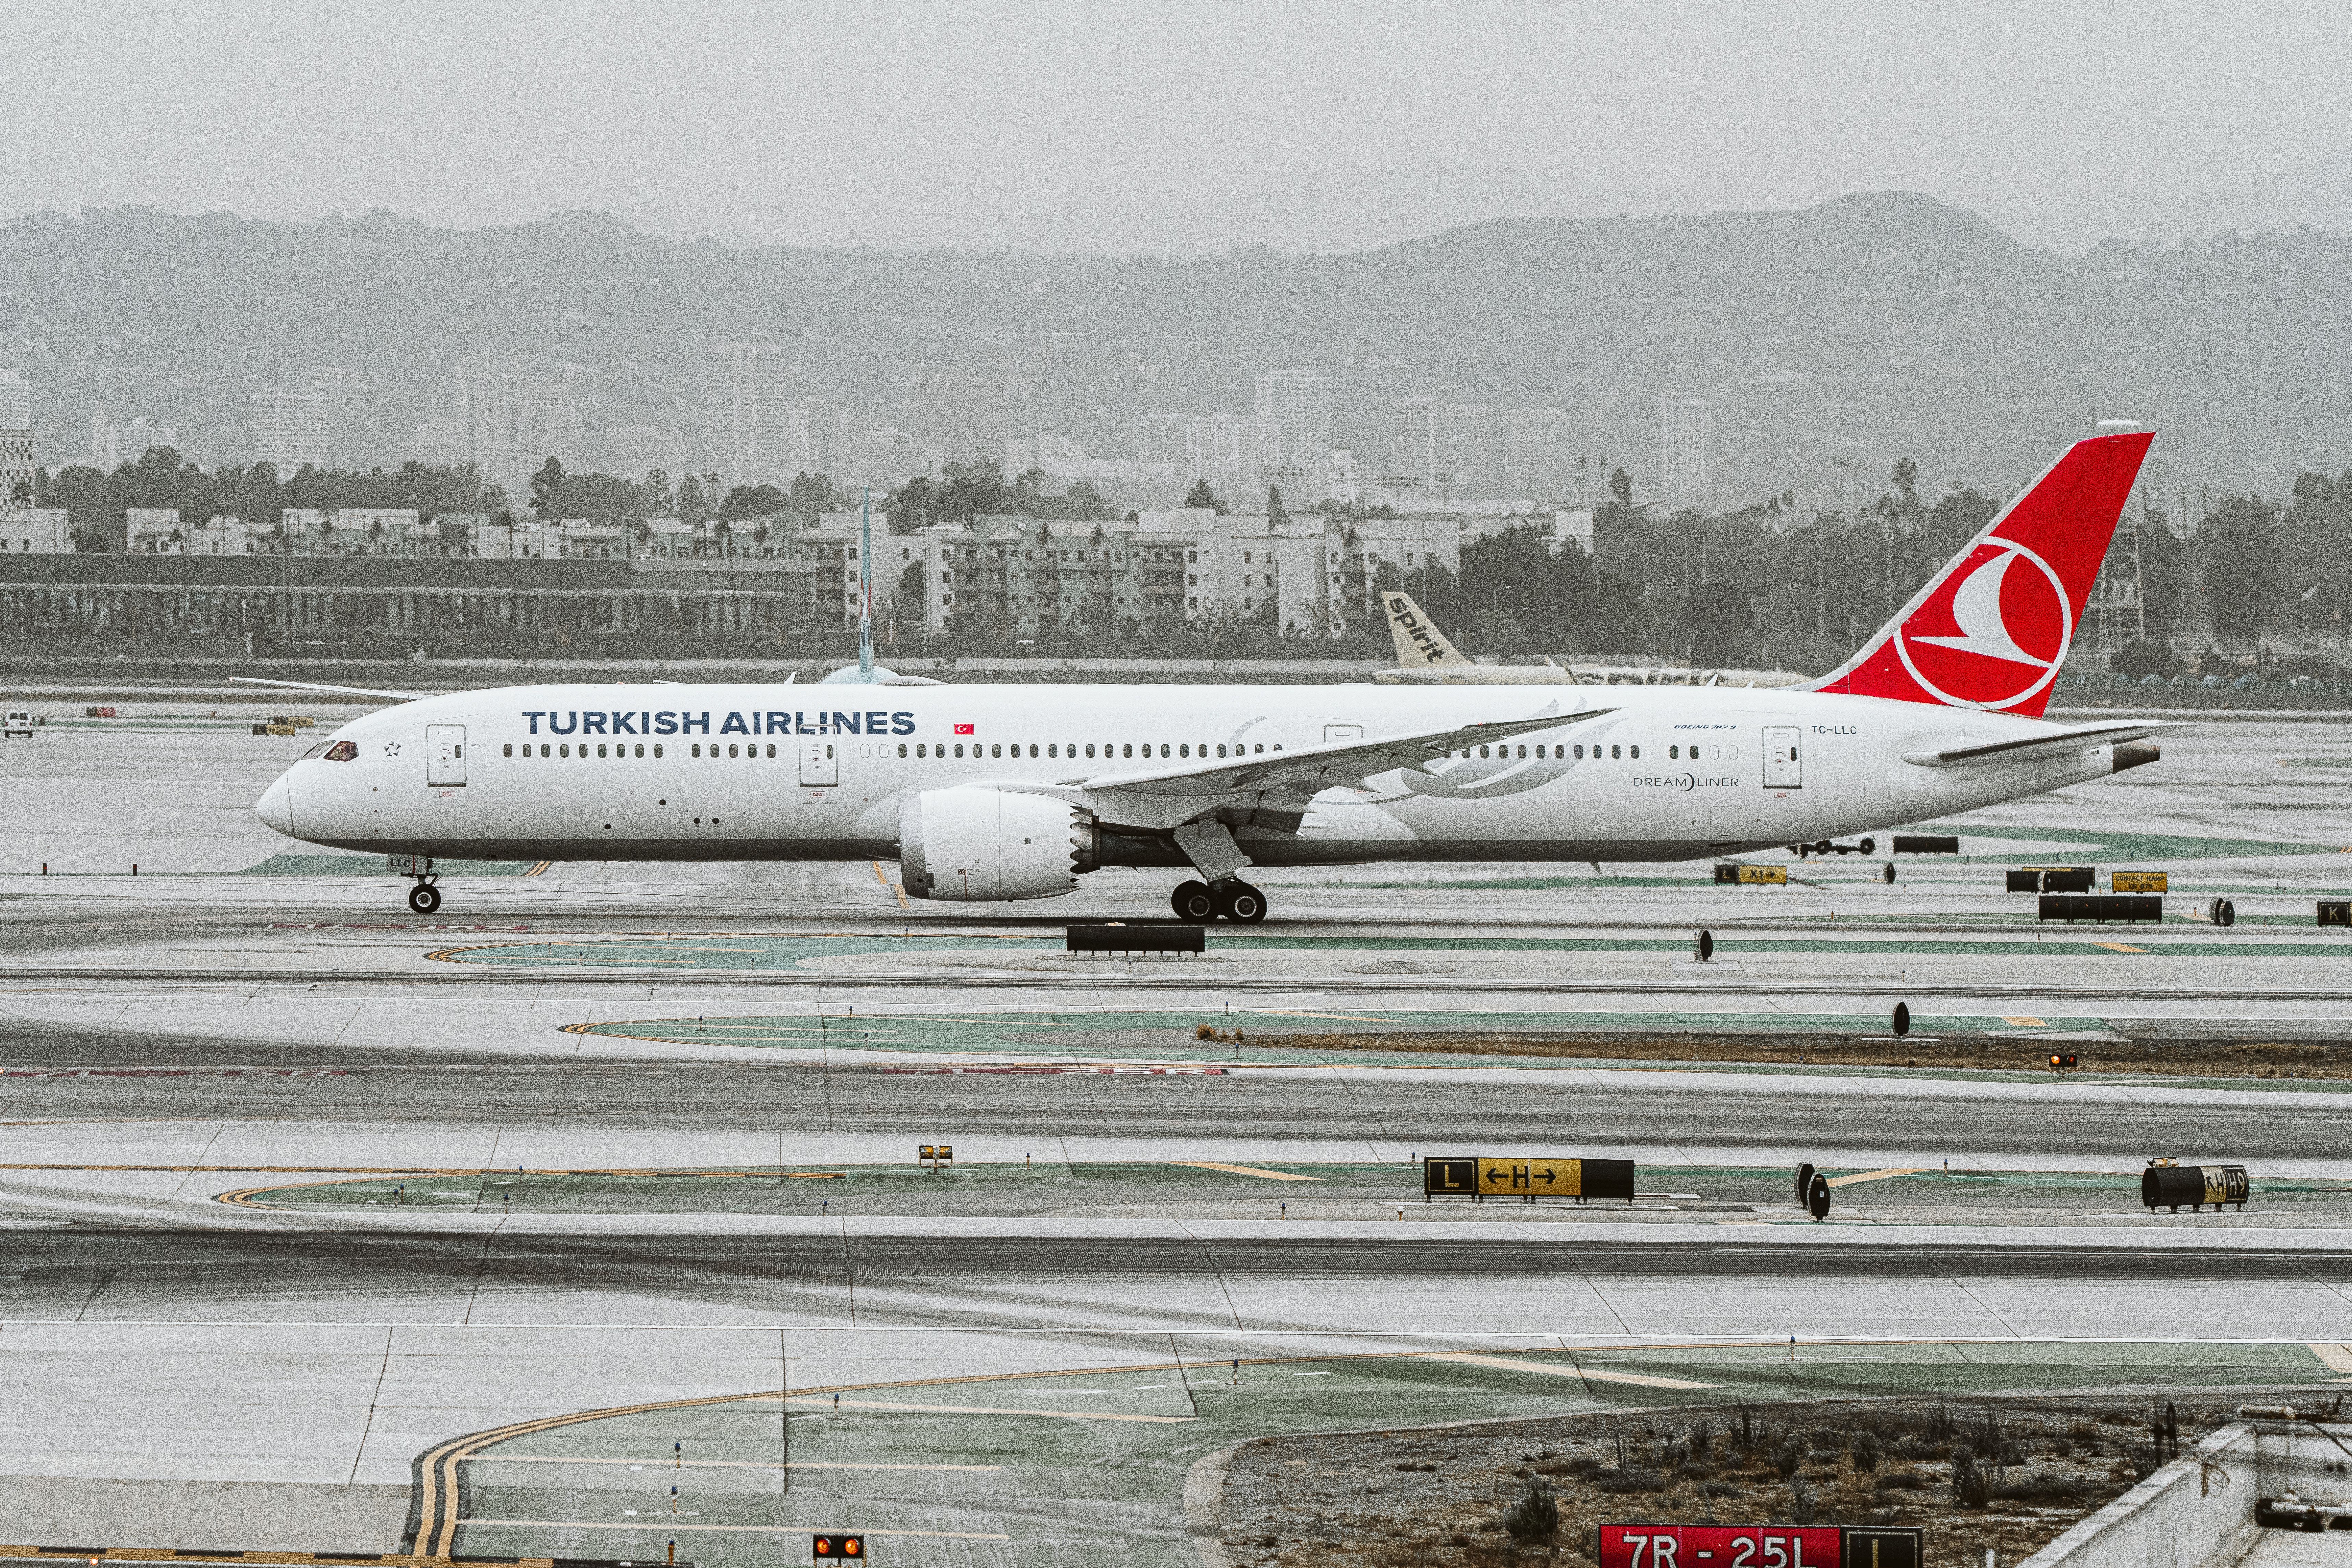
(1758, 1546)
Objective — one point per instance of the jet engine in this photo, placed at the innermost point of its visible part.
(982, 845)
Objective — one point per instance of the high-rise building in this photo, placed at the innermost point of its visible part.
(435, 443)
(1226, 446)
(20, 455)
(817, 435)
(1536, 460)
(634, 451)
(1419, 447)
(554, 425)
(1470, 445)
(1681, 447)
(967, 417)
(1299, 402)
(494, 419)
(113, 444)
(289, 429)
(16, 401)
(744, 426)
(1159, 438)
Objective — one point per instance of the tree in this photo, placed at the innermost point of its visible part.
(1714, 620)
(753, 501)
(1201, 498)
(547, 490)
(658, 502)
(2243, 564)
(1906, 478)
(692, 509)
(813, 495)
(1621, 485)
(600, 498)
(1274, 515)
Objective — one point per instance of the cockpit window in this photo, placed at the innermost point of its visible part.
(318, 751)
(343, 751)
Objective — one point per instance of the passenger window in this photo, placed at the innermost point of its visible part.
(1673, 754)
(1732, 752)
(1636, 753)
(1523, 751)
(566, 750)
(919, 750)
(1579, 754)
(600, 749)
(1091, 751)
(996, 750)
(510, 750)
(771, 748)
(1616, 750)
(698, 748)
(902, 748)
(1052, 749)
(730, 750)
(343, 751)
(1163, 748)
(1126, 751)
(1221, 751)
(1482, 751)
(1540, 753)
(959, 750)
(1183, 751)
(657, 747)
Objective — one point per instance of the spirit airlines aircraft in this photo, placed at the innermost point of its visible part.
(1426, 657)
(1015, 792)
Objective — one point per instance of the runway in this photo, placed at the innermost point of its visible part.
(423, 1233)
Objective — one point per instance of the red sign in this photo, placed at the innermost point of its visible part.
(964, 729)
(1720, 1546)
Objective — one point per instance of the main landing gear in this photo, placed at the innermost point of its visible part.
(424, 898)
(1230, 899)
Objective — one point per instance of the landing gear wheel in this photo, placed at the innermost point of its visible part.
(424, 897)
(1240, 904)
(1194, 902)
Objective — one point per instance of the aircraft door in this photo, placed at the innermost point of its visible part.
(1722, 825)
(444, 755)
(1781, 768)
(820, 768)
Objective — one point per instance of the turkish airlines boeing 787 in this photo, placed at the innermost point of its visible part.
(999, 793)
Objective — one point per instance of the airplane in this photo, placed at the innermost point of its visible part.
(1426, 657)
(987, 793)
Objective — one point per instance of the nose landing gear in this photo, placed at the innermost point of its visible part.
(424, 898)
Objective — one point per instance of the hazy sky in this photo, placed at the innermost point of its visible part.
(830, 122)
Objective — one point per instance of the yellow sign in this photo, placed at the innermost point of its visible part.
(2140, 881)
(1771, 873)
(1530, 1178)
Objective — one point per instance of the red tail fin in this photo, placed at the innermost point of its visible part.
(1990, 629)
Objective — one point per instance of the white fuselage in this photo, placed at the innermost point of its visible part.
(790, 772)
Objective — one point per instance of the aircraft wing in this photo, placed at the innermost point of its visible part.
(1310, 768)
(338, 691)
(2082, 738)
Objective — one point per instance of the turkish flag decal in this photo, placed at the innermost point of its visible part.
(964, 729)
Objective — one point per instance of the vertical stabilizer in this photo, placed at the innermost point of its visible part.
(1991, 629)
(1419, 643)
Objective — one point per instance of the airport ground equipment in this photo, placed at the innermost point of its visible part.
(1762, 1546)
(2129, 909)
(1460, 1176)
(828, 1547)
(1140, 936)
(18, 722)
(2062, 1061)
(2140, 881)
(1703, 946)
(1731, 872)
(1816, 1197)
(2221, 912)
(2335, 911)
(1804, 1180)
(1819, 846)
(1902, 1020)
(2168, 1183)
(1927, 843)
(935, 1157)
(1890, 873)
(2052, 879)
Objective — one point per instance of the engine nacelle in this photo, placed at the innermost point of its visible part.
(984, 845)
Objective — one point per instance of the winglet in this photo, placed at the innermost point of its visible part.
(1419, 643)
(1990, 630)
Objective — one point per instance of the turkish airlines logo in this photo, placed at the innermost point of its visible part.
(2011, 625)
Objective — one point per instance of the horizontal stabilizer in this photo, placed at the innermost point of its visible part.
(2062, 742)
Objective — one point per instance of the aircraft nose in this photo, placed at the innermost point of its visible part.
(277, 807)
